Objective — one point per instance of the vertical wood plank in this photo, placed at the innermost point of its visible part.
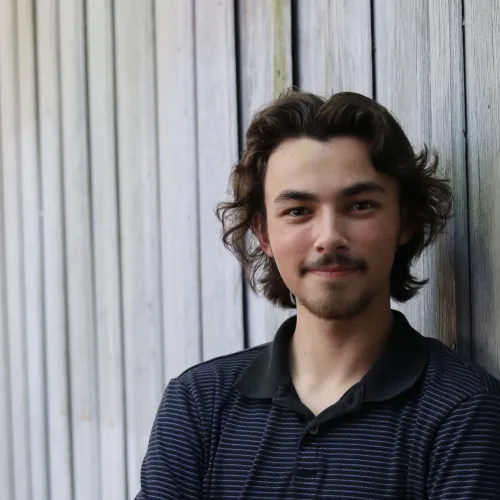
(265, 63)
(178, 184)
(6, 466)
(221, 277)
(420, 78)
(448, 135)
(138, 194)
(79, 275)
(59, 430)
(32, 250)
(335, 46)
(12, 226)
(482, 37)
(106, 249)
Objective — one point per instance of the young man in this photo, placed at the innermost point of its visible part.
(348, 401)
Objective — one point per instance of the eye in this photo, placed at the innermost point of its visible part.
(363, 206)
(297, 211)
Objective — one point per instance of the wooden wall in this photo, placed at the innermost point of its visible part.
(119, 123)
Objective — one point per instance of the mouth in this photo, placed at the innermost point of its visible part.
(334, 271)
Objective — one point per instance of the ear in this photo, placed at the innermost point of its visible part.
(405, 236)
(406, 229)
(259, 228)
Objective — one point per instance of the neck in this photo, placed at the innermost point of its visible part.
(337, 353)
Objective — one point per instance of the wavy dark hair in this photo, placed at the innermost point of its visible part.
(426, 199)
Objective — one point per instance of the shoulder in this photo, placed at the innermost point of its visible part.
(213, 380)
(191, 405)
(452, 379)
(464, 451)
(199, 393)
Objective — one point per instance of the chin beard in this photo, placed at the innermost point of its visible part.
(337, 308)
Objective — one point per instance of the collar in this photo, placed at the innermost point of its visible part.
(398, 368)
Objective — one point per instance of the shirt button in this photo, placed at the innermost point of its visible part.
(314, 430)
(279, 394)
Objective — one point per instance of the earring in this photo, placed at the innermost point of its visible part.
(292, 299)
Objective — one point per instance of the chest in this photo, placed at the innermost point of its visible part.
(278, 455)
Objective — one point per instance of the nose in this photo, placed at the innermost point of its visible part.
(330, 233)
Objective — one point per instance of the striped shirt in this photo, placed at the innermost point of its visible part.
(421, 424)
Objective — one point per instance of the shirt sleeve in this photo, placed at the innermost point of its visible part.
(465, 459)
(173, 467)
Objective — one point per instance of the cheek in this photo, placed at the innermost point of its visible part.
(377, 242)
(373, 236)
(289, 243)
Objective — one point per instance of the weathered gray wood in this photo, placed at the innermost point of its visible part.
(11, 213)
(482, 36)
(139, 224)
(53, 251)
(6, 465)
(419, 74)
(178, 184)
(222, 311)
(106, 250)
(32, 250)
(335, 46)
(265, 70)
(79, 265)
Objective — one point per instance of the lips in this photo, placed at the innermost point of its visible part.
(333, 269)
(333, 272)
(334, 265)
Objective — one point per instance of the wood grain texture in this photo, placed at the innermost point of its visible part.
(29, 171)
(221, 280)
(106, 250)
(482, 36)
(335, 46)
(139, 225)
(50, 137)
(113, 276)
(175, 63)
(419, 72)
(79, 255)
(12, 227)
(265, 62)
(6, 452)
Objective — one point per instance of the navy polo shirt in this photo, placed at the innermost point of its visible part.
(421, 424)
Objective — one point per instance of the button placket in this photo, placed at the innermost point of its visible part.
(306, 465)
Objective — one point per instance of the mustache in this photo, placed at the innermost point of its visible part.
(336, 259)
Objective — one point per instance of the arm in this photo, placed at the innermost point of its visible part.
(173, 467)
(465, 459)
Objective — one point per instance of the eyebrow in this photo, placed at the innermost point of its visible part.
(362, 187)
(348, 192)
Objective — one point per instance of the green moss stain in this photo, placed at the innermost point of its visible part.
(280, 70)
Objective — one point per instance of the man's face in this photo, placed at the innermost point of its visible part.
(332, 225)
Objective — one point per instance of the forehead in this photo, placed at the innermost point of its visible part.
(328, 167)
